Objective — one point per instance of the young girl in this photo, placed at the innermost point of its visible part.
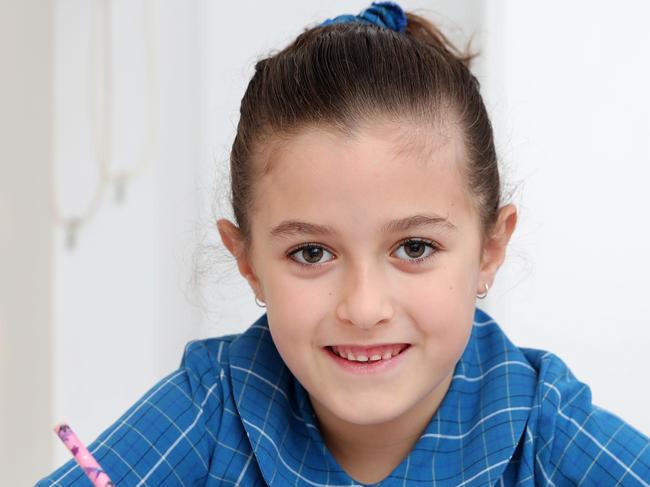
(368, 217)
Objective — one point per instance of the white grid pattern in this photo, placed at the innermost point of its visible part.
(233, 414)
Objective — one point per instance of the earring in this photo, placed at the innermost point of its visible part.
(261, 304)
(484, 293)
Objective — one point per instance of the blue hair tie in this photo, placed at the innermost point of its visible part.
(383, 14)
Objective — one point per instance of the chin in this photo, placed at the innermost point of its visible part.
(367, 414)
(372, 419)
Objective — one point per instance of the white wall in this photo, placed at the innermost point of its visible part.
(121, 317)
(567, 83)
(122, 304)
(25, 239)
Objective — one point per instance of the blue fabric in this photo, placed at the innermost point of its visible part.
(233, 414)
(383, 14)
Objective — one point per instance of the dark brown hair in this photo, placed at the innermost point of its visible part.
(342, 74)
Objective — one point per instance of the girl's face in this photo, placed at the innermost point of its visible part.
(368, 247)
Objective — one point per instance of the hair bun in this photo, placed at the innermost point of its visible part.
(425, 31)
(383, 14)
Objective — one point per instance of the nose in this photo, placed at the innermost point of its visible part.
(365, 300)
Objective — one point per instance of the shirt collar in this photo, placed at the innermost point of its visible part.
(474, 432)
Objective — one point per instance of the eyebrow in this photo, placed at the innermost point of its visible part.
(290, 228)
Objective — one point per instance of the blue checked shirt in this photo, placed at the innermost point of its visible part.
(233, 414)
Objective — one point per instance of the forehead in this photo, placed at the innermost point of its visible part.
(377, 173)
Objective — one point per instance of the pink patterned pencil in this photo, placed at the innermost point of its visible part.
(86, 461)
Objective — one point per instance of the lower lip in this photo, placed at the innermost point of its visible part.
(365, 368)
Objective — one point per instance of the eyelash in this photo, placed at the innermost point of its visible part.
(430, 243)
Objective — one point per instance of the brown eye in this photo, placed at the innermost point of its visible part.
(309, 255)
(312, 254)
(416, 250)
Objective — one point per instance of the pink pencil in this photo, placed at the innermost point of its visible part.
(86, 461)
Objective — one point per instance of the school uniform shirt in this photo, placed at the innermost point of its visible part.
(233, 414)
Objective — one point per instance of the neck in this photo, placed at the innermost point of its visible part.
(370, 452)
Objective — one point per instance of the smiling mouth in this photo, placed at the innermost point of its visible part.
(368, 354)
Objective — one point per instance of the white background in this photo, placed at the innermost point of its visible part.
(84, 333)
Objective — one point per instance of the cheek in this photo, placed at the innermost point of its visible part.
(294, 313)
(297, 298)
(447, 288)
(442, 306)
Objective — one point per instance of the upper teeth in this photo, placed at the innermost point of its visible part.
(360, 357)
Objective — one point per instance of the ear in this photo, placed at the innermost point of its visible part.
(494, 247)
(234, 242)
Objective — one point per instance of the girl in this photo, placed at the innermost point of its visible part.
(368, 218)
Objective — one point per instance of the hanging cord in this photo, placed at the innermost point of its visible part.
(73, 223)
(120, 178)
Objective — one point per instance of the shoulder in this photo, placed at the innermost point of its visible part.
(575, 440)
(559, 393)
(206, 362)
(170, 433)
(208, 352)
